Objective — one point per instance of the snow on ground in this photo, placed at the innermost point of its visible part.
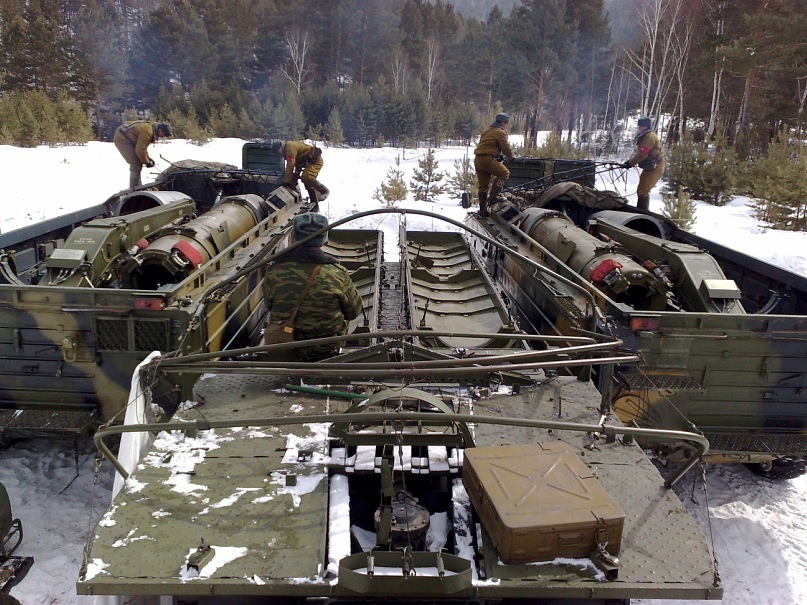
(758, 527)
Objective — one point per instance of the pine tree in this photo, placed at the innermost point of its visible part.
(426, 182)
(464, 177)
(679, 209)
(394, 189)
(45, 121)
(706, 173)
(779, 182)
(225, 122)
(333, 129)
(186, 125)
(72, 120)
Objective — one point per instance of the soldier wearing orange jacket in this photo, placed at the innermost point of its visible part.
(132, 140)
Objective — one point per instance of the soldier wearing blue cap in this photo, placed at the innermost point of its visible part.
(493, 144)
(330, 301)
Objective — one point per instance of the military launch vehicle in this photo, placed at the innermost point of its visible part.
(721, 337)
(86, 296)
(443, 455)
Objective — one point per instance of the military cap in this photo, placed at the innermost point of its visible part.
(165, 127)
(645, 122)
(304, 225)
(502, 117)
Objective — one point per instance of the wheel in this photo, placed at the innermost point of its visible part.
(780, 469)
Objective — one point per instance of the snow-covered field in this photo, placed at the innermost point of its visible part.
(758, 527)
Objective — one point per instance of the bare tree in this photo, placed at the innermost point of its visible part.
(680, 49)
(432, 62)
(663, 55)
(400, 72)
(802, 100)
(717, 79)
(295, 68)
(618, 93)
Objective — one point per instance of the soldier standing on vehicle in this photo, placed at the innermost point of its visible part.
(649, 156)
(314, 284)
(304, 162)
(132, 140)
(492, 148)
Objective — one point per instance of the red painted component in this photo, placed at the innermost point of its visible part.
(189, 252)
(154, 303)
(604, 268)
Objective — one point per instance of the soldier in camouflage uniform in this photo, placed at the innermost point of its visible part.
(331, 301)
(492, 145)
(649, 156)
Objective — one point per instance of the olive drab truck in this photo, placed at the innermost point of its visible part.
(85, 297)
(443, 454)
(721, 336)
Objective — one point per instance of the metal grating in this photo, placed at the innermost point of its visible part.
(151, 336)
(31, 423)
(112, 334)
(147, 335)
(793, 444)
(640, 381)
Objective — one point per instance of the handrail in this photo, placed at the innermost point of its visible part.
(700, 442)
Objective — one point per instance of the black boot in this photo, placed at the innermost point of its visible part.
(322, 191)
(495, 190)
(483, 204)
(643, 202)
(313, 200)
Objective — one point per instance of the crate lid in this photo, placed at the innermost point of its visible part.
(537, 486)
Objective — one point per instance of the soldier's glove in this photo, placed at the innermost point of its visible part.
(500, 157)
(150, 163)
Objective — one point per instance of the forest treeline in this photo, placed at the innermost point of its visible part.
(371, 72)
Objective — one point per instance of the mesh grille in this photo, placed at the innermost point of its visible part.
(112, 334)
(783, 444)
(33, 423)
(640, 381)
(151, 336)
(147, 335)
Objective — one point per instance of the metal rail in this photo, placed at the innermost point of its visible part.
(699, 441)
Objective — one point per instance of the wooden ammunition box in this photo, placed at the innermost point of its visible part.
(540, 502)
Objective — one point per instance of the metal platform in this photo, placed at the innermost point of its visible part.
(260, 496)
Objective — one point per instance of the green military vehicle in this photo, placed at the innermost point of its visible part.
(443, 455)
(722, 337)
(85, 297)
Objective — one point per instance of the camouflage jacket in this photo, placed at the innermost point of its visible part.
(493, 141)
(331, 301)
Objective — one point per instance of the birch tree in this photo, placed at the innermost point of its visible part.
(400, 73)
(432, 64)
(718, 24)
(296, 69)
(662, 56)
